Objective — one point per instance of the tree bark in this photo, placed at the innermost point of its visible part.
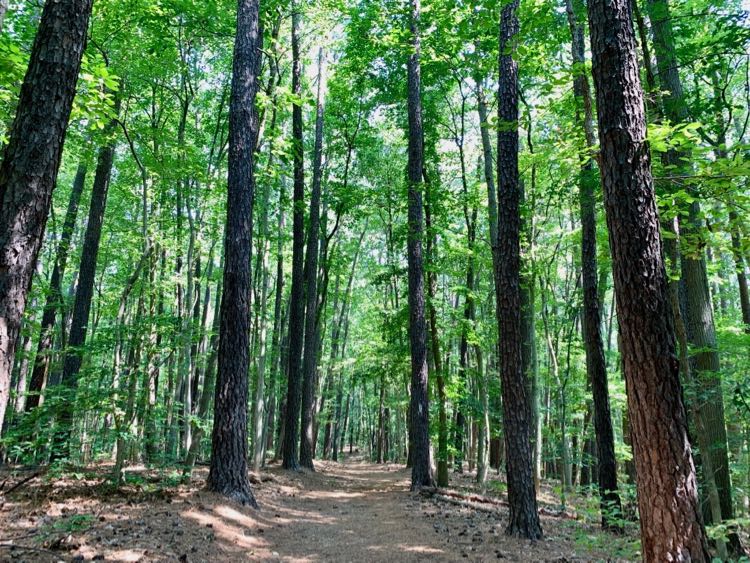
(31, 161)
(297, 297)
(419, 424)
(671, 526)
(310, 356)
(228, 472)
(523, 518)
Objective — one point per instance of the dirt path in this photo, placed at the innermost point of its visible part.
(354, 511)
(360, 511)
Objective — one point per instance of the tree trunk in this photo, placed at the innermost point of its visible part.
(54, 297)
(596, 364)
(437, 363)
(419, 425)
(310, 359)
(699, 322)
(259, 406)
(228, 472)
(671, 527)
(739, 264)
(483, 446)
(523, 518)
(297, 297)
(31, 161)
(209, 388)
(85, 290)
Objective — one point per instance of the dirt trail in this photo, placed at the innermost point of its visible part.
(364, 512)
(353, 511)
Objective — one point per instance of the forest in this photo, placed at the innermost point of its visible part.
(375, 280)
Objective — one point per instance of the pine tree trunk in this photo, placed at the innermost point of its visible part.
(297, 297)
(671, 527)
(419, 425)
(523, 518)
(310, 360)
(228, 472)
(31, 161)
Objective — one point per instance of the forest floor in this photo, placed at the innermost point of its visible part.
(352, 511)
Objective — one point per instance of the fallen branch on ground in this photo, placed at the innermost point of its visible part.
(483, 503)
(22, 482)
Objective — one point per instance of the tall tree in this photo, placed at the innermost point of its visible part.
(524, 518)
(671, 526)
(596, 364)
(31, 161)
(297, 296)
(698, 313)
(86, 278)
(228, 472)
(310, 359)
(419, 423)
(54, 296)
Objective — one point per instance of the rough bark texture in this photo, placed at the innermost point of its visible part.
(419, 423)
(310, 357)
(228, 473)
(671, 527)
(54, 296)
(31, 161)
(596, 363)
(297, 298)
(523, 518)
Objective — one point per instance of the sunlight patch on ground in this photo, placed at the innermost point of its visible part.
(236, 535)
(419, 549)
(334, 495)
(126, 555)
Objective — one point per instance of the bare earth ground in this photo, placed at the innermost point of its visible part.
(353, 511)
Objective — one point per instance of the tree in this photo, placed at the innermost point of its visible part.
(524, 518)
(596, 364)
(671, 526)
(704, 364)
(309, 359)
(296, 299)
(31, 161)
(419, 421)
(54, 298)
(228, 472)
(74, 353)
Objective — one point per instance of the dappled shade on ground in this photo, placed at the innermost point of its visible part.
(353, 511)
